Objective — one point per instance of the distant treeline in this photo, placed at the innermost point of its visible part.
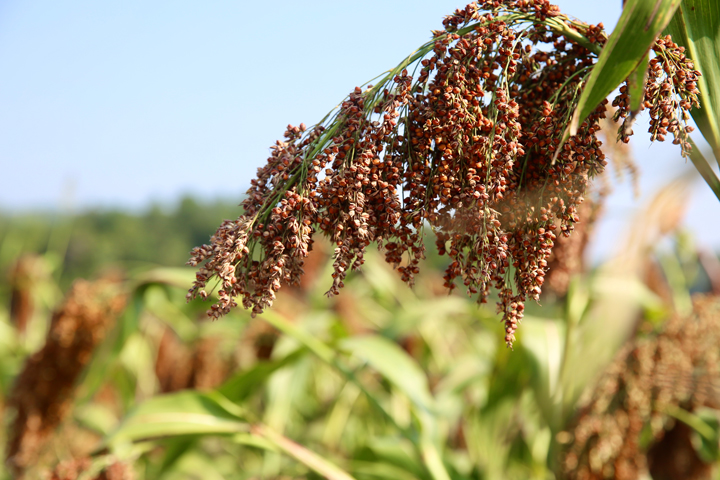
(88, 243)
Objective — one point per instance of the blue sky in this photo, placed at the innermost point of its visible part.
(110, 104)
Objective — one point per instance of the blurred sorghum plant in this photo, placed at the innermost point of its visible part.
(42, 394)
(471, 148)
(638, 393)
(76, 469)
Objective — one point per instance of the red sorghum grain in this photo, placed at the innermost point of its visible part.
(465, 150)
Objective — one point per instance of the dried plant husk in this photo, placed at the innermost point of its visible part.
(636, 395)
(469, 150)
(42, 394)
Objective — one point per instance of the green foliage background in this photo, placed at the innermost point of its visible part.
(380, 382)
(98, 239)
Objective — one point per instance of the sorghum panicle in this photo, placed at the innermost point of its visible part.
(628, 411)
(43, 391)
(471, 149)
(670, 93)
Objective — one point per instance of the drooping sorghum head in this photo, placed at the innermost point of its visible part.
(670, 93)
(471, 150)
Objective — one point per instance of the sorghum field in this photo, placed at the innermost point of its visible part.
(405, 290)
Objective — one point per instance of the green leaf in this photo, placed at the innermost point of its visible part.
(250, 440)
(640, 23)
(696, 26)
(394, 364)
(708, 445)
(108, 353)
(636, 84)
(543, 341)
(175, 449)
(97, 417)
(316, 346)
(326, 354)
(396, 452)
(381, 471)
(178, 277)
(403, 373)
(241, 386)
(705, 423)
(194, 464)
(182, 413)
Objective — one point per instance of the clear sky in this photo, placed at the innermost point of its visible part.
(126, 103)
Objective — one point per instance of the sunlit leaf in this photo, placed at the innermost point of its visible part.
(377, 470)
(708, 445)
(97, 417)
(543, 341)
(242, 385)
(636, 84)
(393, 363)
(639, 25)
(301, 454)
(183, 413)
(398, 453)
(706, 425)
(175, 449)
(705, 170)
(194, 465)
(179, 277)
(156, 301)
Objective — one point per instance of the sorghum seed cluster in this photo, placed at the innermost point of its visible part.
(568, 254)
(465, 150)
(678, 367)
(670, 93)
(43, 391)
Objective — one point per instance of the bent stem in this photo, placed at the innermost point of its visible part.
(300, 453)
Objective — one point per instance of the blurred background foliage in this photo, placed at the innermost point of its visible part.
(117, 377)
(91, 241)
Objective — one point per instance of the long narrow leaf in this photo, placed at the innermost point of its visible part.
(394, 364)
(406, 375)
(183, 413)
(636, 84)
(415, 385)
(640, 24)
(241, 386)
